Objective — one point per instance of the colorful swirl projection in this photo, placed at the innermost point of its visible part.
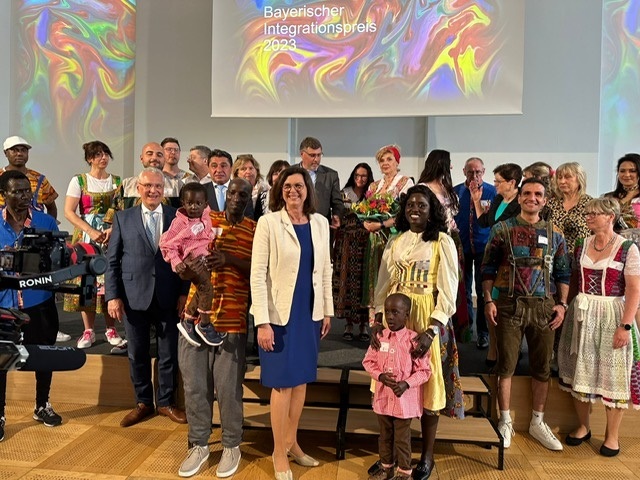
(620, 91)
(75, 74)
(433, 50)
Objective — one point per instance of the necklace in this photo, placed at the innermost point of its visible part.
(630, 189)
(606, 245)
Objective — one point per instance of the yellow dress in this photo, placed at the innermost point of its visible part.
(427, 272)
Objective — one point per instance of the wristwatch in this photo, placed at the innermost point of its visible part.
(626, 326)
(564, 305)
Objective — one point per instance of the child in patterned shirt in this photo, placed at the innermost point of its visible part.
(398, 388)
(185, 245)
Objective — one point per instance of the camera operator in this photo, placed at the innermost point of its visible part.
(38, 304)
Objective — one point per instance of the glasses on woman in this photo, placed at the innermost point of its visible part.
(287, 187)
(594, 214)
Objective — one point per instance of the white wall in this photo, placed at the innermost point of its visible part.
(172, 98)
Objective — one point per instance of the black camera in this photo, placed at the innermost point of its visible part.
(46, 261)
(41, 251)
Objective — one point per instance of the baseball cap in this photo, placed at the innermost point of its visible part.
(13, 141)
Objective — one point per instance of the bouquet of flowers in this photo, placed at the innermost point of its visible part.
(376, 207)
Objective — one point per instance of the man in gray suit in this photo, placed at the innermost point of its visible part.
(141, 289)
(326, 181)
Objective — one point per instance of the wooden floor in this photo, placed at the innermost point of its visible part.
(90, 444)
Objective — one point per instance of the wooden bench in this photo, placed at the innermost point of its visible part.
(340, 401)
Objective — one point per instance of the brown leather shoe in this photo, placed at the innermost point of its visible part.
(173, 413)
(136, 415)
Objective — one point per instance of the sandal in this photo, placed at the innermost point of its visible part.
(348, 336)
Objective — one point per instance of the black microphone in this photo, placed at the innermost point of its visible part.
(44, 358)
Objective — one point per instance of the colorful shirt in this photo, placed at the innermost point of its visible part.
(473, 237)
(187, 236)
(9, 238)
(43, 192)
(394, 356)
(527, 240)
(231, 287)
(95, 204)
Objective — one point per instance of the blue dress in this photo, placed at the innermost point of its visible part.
(294, 360)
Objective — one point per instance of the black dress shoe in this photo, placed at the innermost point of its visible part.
(375, 468)
(575, 441)
(423, 471)
(609, 452)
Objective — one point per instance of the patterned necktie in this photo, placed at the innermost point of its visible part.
(151, 228)
(221, 197)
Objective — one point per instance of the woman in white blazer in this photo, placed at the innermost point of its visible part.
(292, 305)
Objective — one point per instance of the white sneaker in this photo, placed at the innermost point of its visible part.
(62, 337)
(87, 339)
(545, 436)
(229, 462)
(112, 336)
(506, 430)
(196, 456)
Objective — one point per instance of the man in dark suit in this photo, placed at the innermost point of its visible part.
(326, 181)
(220, 163)
(142, 290)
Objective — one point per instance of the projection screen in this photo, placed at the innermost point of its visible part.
(366, 58)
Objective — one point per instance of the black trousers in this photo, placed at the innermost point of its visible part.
(42, 329)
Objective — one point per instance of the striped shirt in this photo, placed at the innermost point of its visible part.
(230, 287)
(394, 356)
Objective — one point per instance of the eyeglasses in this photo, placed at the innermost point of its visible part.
(498, 182)
(287, 187)
(474, 172)
(172, 149)
(150, 186)
(365, 176)
(313, 155)
(595, 214)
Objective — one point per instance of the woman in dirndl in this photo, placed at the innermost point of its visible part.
(598, 354)
(87, 206)
(422, 263)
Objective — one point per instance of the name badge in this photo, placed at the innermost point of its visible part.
(543, 240)
(619, 266)
(197, 227)
(384, 346)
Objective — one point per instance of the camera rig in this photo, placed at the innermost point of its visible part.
(44, 261)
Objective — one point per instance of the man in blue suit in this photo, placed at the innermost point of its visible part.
(141, 289)
(220, 163)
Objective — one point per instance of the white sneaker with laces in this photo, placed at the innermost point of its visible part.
(62, 337)
(112, 336)
(229, 462)
(545, 436)
(506, 430)
(87, 339)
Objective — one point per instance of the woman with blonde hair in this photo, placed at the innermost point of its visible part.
(567, 206)
(598, 354)
(247, 167)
